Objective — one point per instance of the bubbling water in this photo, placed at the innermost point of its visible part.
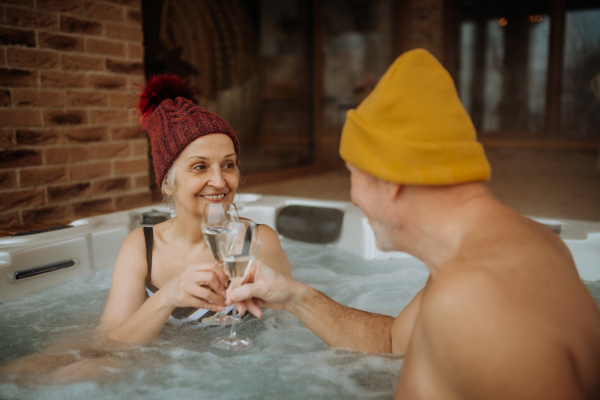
(286, 361)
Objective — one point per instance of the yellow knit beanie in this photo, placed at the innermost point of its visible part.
(413, 129)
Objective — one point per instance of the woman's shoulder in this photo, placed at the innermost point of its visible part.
(265, 231)
(132, 255)
(155, 234)
(163, 232)
(268, 232)
(135, 238)
(271, 252)
(134, 244)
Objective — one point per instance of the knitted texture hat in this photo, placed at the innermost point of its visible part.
(413, 129)
(173, 121)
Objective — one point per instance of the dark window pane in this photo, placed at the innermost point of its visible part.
(503, 65)
(494, 65)
(466, 48)
(580, 98)
(357, 49)
(284, 134)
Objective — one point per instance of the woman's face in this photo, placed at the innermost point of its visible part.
(205, 172)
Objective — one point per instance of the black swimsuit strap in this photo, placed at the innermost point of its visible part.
(179, 312)
(149, 238)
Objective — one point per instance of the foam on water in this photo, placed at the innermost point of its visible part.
(594, 288)
(286, 361)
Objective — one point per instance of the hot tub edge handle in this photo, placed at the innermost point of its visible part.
(16, 276)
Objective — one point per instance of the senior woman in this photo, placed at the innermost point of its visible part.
(196, 156)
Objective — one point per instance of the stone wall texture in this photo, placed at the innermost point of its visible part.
(69, 142)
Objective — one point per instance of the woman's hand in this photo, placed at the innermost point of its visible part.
(198, 286)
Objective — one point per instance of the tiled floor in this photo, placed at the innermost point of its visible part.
(536, 183)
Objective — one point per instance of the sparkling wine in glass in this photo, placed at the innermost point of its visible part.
(237, 261)
(219, 239)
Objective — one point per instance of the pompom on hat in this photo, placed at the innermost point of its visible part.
(173, 121)
(413, 129)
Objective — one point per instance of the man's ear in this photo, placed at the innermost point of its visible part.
(394, 190)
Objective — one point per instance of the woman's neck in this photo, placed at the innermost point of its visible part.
(187, 230)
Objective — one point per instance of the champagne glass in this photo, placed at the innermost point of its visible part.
(237, 260)
(219, 240)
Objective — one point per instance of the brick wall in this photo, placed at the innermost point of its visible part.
(69, 144)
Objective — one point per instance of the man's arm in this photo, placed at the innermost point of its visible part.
(335, 324)
(404, 323)
(341, 326)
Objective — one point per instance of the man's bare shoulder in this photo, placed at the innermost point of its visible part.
(453, 292)
(478, 338)
(500, 235)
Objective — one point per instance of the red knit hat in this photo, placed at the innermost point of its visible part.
(173, 121)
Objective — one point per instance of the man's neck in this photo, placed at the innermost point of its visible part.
(436, 220)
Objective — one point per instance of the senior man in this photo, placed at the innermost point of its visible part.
(503, 314)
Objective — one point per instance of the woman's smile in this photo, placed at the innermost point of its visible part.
(214, 198)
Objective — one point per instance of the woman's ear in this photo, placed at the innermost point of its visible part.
(168, 183)
(167, 189)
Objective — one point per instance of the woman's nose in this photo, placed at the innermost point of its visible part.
(216, 180)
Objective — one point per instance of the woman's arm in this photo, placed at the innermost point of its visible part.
(129, 317)
(128, 295)
(271, 252)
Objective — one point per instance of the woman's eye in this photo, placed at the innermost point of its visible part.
(229, 165)
(200, 167)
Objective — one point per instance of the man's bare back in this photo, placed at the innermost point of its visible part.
(509, 312)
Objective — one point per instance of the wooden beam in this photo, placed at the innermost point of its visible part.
(401, 26)
(555, 68)
(450, 36)
(317, 81)
(540, 143)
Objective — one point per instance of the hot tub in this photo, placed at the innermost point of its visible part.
(54, 286)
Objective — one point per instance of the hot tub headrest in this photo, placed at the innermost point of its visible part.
(153, 217)
(310, 224)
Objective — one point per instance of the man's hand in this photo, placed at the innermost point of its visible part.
(353, 329)
(263, 286)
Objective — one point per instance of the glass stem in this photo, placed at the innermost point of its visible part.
(233, 321)
(221, 314)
